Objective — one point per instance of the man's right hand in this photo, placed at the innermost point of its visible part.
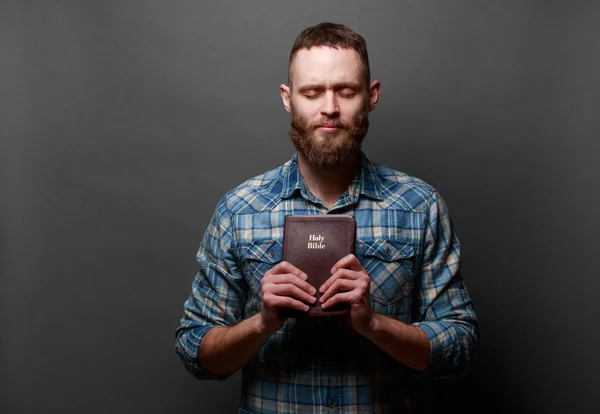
(284, 286)
(225, 349)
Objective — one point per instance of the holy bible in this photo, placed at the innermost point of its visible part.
(314, 243)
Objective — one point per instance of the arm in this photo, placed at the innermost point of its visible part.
(212, 340)
(406, 343)
(224, 350)
(443, 342)
(350, 284)
(446, 313)
(218, 292)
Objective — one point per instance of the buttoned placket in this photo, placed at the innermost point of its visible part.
(334, 390)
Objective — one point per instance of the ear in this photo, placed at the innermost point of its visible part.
(374, 90)
(286, 96)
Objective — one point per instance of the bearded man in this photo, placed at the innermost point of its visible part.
(410, 314)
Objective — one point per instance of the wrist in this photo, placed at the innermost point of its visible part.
(373, 327)
(258, 325)
(262, 327)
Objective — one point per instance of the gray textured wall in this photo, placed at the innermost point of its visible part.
(122, 123)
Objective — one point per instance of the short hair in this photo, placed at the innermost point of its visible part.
(332, 35)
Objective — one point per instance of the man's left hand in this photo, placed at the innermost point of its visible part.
(350, 283)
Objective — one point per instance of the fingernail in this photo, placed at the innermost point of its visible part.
(303, 276)
(313, 291)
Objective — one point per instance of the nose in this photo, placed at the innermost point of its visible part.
(330, 106)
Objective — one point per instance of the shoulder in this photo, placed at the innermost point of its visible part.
(400, 190)
(258, 193)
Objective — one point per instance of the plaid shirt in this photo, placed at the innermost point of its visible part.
(406, 242)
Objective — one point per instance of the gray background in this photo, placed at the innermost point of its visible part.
(123, 123)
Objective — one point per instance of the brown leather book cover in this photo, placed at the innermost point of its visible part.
(314, 243)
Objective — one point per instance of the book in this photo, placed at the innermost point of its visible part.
(314, 243)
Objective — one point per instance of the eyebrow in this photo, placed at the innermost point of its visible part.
(336, 86)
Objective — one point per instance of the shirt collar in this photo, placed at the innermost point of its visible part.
(367, 182)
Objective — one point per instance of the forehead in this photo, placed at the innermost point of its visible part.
(325, 65)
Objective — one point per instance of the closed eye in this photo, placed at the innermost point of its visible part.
(347, 93)
(312, 95)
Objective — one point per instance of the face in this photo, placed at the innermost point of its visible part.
(329, 102)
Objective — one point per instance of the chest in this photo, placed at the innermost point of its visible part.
(388, 245)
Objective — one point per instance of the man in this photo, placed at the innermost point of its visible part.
(411, 316)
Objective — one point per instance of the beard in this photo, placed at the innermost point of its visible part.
(329, 149)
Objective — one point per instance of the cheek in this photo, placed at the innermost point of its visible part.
(307, 109)
(350, 111)
(357, 108)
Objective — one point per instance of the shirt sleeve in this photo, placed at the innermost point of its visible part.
(446, 313)
(218, 292)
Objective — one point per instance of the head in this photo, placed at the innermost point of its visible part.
(335, 36)
(329, 95)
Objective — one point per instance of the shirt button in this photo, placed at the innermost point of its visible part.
(388, 251)
(331, 404)
(271, 254)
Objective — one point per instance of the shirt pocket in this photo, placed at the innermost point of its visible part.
(260, 257)
(390, 264)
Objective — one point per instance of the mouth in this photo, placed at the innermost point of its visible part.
(329, 127)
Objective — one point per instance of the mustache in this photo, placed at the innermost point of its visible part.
(307, 128)
(327, 123)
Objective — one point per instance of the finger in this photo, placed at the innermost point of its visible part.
(340, 285)
(287, 267)
(348, 262)
(281, 279)
(340, 273)
(345, 297)
(275, 303)
(290, 291)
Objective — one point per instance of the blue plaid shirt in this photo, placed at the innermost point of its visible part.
(406, 242)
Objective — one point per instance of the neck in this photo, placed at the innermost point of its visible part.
(328, 183)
